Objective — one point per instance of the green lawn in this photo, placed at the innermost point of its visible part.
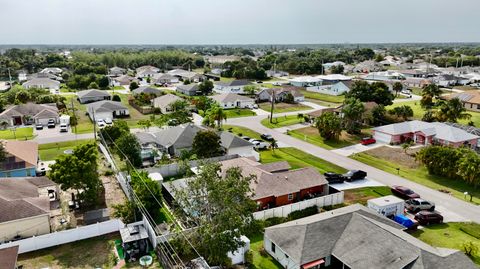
(237, 113)
(451, 235)
(135, 115)
(284, 107)
(362, 195)
(23, 133)
(421, 176)
(52, 150)
(323, 97)
(259, 261)
(311, 135)
(282, 121)
(298, 159)
(84, 125)
(242, 131)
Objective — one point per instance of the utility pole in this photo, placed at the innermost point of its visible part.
(9, 76)
(94, 125)
(75, 116)
(271, 109)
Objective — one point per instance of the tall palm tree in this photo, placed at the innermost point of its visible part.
(216, 114)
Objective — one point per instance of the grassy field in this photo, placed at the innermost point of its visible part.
(242, 131)
(89, 253)
(237, 113)
(362, 195)
(284, 107)
(282, 121)
(451, 235)
(259, 261)
(323, 97)
(298, 159)
(52, 150)
(417, 173)
(311, 135)
(23, 133)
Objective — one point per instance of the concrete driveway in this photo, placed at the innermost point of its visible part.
(357, 148)
(356, 184)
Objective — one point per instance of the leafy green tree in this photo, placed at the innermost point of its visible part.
(407, 145)
(130, 148)
(353, 110)
(125, 211)
(203, 103)
(206, 144)
(3, 153)
(430, 94)
(329, 126)
(103, 82)
(215, 114)
(93, 85)
(469, 168)
(451, 111)
(403, 112)
(377, 92)
(250, 89)
(148, 192)
(222, 209)
(289, 99)
(133, 85)
(112, 132)
(337, 69)
(79, 171)
(145, 124)
(206, 87)
(273, 144)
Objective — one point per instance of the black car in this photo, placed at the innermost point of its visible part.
(353, 175)
(267, 137)
(428, 217)
(334, 177)
(51, 123)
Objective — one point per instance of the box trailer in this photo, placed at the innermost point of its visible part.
(389, 206)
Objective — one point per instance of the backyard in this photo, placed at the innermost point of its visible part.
(237, 113)
(23, 133)
(52, 150)
(261, 259)
(362, 195)
(284, 107)
(282, 121)
(311, 135)
(389, 159)
(298, 159)
(242, 131)
(451, 235)
(84, 124)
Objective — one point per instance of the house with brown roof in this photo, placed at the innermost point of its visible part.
(8, 257)
(21, 159)
(26, 205)
(30, 113)
(469, 99)
(275, 185)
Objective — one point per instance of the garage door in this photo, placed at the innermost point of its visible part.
(382, 137)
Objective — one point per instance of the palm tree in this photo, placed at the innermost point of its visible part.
(216, 114)
(273, 144)
(452, 110)
(397, 87)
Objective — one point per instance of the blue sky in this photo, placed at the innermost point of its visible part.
(237, 22)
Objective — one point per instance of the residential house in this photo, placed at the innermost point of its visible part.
(92, 95)
(147, 67)
(164, 102)
(424, 133)
(332, 88)
(367, 66)
(327, 66)
(106, 109)
(26, 205)
(354, 237)
(280, 94)
(384, 76)
(233, 144)
(116, 71)
(470, 99)
(391, 61)
(276, 74)
(232, 100)
(22, 75)
(189, 89)
(8, 257)
(234, 86)
(164, 79)
(42, 83)
(305, 81)
(147, 90)
(447, 80)
(21, 159)
(52, 70)
(413, 73)
(219, 60)
(416, 82)
(123, 80)
(275, 185)
(147, 73)
(187, 75)
(30, 113)
(44, 75)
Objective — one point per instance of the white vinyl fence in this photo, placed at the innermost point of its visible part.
(66, 236)
(283, 211)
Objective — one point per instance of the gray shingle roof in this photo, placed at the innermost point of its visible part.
(147, 90)
(237, 82)
(188, 88)
(230, 98)
(230, 141)
(165, 100)
(105, 106)
(92, 93)
(41, 82)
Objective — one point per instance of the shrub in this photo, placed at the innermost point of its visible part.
(274, 221)
(303, 213)
(116, 98)
(249, 257)
(469, 248)
(263, 252)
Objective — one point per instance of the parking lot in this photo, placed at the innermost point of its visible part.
(50, 132)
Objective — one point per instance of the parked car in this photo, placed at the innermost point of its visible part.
(267, 137)
(39, 126)
(334, 177)
(63, 128)
(51, 123)
(404, 192)
(428, 217)
(101, 123)
(353, 175)
(260, 144)
(246, 138)
(108, 121)
(368, 140)
(417, 204)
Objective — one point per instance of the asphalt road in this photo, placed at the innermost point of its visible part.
(456, 209)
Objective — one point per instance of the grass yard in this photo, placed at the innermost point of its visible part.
(362, 195)
(261, 261)
(242, 131)
(89, 253)
(298, 159)
(451, 235)
(322, 103)
(52, 150)
(323, 97)
(135, 115)
(311, 135)
(23, 133)
(389, 159)
(237, 113)
(282, 121)
(84, 125)
(284, 107)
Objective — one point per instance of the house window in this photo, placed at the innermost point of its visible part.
(273, 247)
(478, 106)
(29, 174)
(290, 196)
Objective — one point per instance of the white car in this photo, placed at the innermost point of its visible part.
(63, 128)
(101, 123)
(259, 145)
(108, 121)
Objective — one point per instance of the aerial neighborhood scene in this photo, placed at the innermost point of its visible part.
(239, 134)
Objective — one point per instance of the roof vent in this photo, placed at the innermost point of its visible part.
(286, 177)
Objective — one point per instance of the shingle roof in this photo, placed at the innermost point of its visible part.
(230, 141)
(147, 90)
(25, 150)
(472, 97)
(230, 98)
(237, 82)
(105, 106)
(188, 88)
(41, 82)
(19, 209)
(165, 100)
(20, 188)
(29, 109)
(92, 93)
(360, 238)
(8, 257)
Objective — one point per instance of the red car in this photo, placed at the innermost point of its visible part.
(368, 140)
(427, 217)
(404, 192)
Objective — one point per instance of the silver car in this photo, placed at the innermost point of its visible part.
(417, 204)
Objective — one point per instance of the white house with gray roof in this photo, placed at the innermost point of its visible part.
(189, 89)
(354, 237)
(234, 86)
(232, 100)
(164, 102)
(42, 83)
(102, 110)
(92, 95)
